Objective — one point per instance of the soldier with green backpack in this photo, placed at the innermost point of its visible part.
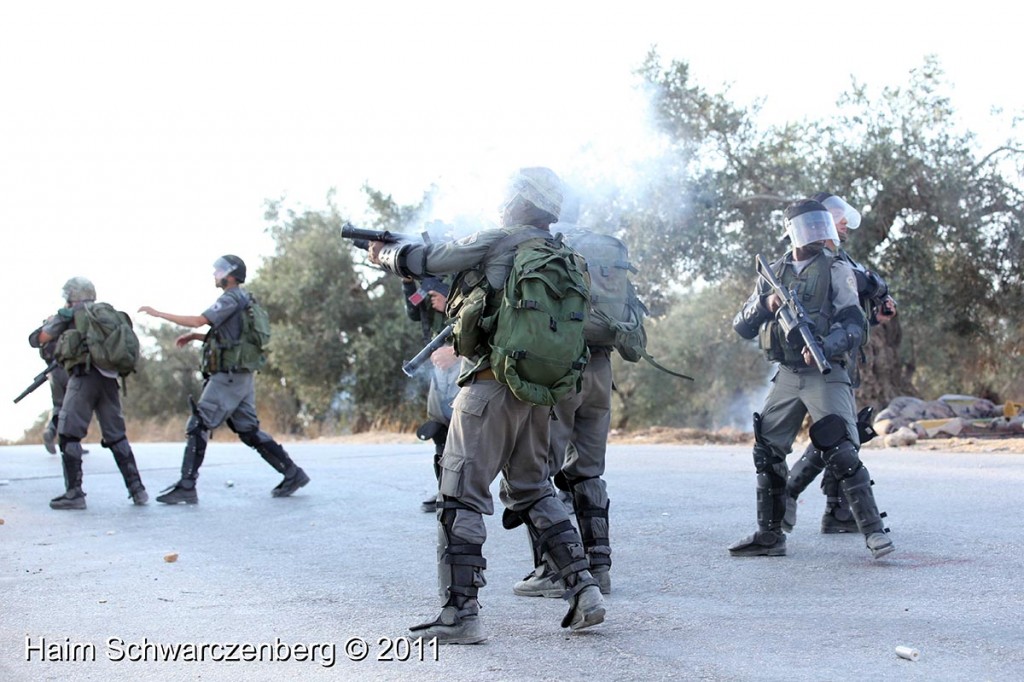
(233, 350)
(579, 433)
(519, 305)
(96, 345)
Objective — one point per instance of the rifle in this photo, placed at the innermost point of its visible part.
(39, 380)
(792, 317)
(412, 365)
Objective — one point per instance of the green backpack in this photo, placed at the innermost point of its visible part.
(538, 347)
(101, 336)
(616, 313)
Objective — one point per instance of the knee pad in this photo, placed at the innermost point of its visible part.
(117, 446)
(252, 438)
(195, 425)
(828, 432)
(840, 454)
(511, 520)
(769, 464)
(64, 440)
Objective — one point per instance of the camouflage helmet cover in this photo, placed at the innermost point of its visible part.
(539, 186)
(78, 289)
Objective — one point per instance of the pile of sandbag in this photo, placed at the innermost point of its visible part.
(907, 419)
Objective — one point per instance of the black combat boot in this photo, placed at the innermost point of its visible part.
(73, 497)
(768, 540)
(125, 460)
(184, 491)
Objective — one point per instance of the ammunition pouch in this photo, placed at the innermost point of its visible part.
(71, 350)
(769, 341)
(468, 307)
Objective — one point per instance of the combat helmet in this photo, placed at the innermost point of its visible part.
(539, 186)
(78, 290)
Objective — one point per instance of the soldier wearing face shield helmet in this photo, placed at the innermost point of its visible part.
(827, 288)
(229, 394)
(879, 307)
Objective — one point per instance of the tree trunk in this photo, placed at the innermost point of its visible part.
(883, 376)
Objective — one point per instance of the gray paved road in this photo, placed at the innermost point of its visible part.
(350, 556)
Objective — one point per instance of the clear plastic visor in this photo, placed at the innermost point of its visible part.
(840, 209)
(222, 268)
(814, 226)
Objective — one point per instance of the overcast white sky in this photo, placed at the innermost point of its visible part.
(139, 140)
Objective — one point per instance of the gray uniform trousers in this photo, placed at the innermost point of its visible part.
(798, 392)
(87, 393)
(58, 388)
(491, 433)
(577, 447)
(579, 433)
(230, 396)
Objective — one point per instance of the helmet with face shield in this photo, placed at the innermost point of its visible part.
(229, 265)
(808, 221)
(839, 209)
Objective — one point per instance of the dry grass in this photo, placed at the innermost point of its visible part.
(170, 431)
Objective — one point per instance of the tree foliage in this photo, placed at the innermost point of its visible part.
(164, 379)
(941, 222)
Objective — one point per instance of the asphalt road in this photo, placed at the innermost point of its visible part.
(342, 568)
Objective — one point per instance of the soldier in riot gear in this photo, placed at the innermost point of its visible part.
(230, 359)
(879, 307)
(492, 431)
(90, 389)
(826, 286)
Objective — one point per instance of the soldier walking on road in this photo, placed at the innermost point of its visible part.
(232, 352)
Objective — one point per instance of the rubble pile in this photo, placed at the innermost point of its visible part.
(907, 419)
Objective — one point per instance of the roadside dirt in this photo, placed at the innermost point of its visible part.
(673, 436)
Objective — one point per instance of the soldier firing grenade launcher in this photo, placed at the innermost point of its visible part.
(410, 367)
(39, 380)
(792, 317)
(361, 239)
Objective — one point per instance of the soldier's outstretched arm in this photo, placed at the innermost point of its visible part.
(192, 321)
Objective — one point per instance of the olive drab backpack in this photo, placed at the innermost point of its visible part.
(101, 336)
(616, 313)
(538, 347)
(249, 353)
